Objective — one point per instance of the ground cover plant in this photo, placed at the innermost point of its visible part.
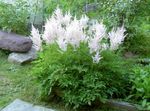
(12, 80)
(140, 88)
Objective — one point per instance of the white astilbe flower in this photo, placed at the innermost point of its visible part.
(58, 14)
(36, 39)
(61, 40)
(50, 33)
(93, 44)
(62, 43)
(98, 32)
(116, 37)
(74, 33)
(83, 21)
(66, 19)
(60, 32)
(96, 58)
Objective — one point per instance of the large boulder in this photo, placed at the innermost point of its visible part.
(15, 43)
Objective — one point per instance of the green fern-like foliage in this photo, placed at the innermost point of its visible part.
(74, 77)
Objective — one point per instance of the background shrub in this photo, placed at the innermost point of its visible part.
(139, 29)
(14, 17)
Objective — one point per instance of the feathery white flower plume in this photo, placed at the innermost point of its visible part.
(58, 14)
(116, 37)
(66, 19)
(50, 33)
(74, 33)
(98, 32)
(94, 45)
(36, 39)
(83, 21)
(62, 43)
(96, 58)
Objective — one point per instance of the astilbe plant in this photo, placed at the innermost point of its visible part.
(68, 30)
(75, 59)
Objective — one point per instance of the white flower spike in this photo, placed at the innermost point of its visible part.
(116, 37)
(36, 39)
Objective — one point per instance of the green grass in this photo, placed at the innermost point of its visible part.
(12, 79)
(17, 82)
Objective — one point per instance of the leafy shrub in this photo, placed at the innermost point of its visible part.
(139, 44)
(141, 82)
(73, 76)
(14, 17)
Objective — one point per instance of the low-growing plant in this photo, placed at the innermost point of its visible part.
(140, 85)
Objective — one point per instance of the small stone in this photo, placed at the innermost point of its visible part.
(129, 55)
(20, 58)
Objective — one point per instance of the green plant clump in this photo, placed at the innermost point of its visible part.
(78, 81)
(14, 17)
(141, 82)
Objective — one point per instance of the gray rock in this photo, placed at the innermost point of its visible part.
(129, 54)
(14, 42)
(39, 108)
(19, 105)
(20, 58)
(90, 7)
(122, 106)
